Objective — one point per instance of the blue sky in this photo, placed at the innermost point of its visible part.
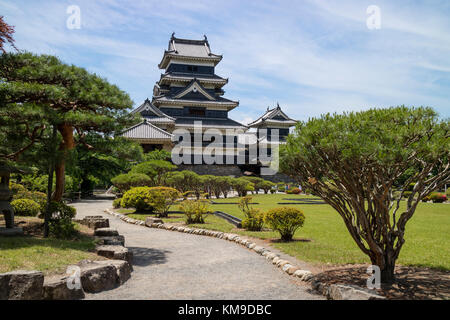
(310, 56)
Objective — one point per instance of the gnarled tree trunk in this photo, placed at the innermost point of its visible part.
(68, 144)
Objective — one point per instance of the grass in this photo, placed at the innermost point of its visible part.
(46, 255)
(326, 239)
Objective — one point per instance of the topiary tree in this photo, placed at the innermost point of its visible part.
(158, 155)
(242, 186)
(267, 186)
(125, 182)
(156, 170)
(221, 185)
(184, 181)
(352, 162)
(285, 220)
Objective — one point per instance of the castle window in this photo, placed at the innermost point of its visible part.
(196, 112)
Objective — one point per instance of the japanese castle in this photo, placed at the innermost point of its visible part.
(189, 94)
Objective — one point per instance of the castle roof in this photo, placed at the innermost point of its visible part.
(273, 117)
(152, 113)
(146, 130)
(194, 50)
(194, 94)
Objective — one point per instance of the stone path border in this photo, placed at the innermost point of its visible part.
(284, 265)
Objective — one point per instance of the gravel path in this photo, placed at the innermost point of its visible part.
(174, 265)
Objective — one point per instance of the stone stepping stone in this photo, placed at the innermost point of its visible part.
(115, 252)
(55, 288)
(113, 241)
(106, 232)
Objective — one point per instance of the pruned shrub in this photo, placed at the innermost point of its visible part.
(60, 222)
(285, 220)
(293, 191)
(155, 169)
(125, 182)
(161, 198)
(195, 210)
(155, 199)
(39, 197)
(437, 197)
(242, 186)
(25, 207)
(116, 203)
(254, 218)
(16, 188)
(137, 198)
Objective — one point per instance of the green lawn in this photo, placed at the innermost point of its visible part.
(326, 240)
(46, 255)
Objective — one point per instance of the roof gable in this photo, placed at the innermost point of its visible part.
(147, 109)
(146, 130)
(194, 87)
(275, 115)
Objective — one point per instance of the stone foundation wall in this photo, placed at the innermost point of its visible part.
(229, 170)
(216, 170)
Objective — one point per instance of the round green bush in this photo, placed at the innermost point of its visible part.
(16, 187)
(136, 198)
(285, 220)
(25, 207)
(117, 203)
(60, 223)
(254, 220)
(36, 196)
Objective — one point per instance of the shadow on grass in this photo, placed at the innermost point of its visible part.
(293, 240)
(412, 283)
(143, 257)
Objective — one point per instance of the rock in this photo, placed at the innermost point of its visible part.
(301, 273)
(347, 292)
(98, 223)
(149, 221)
(285, 267)
(114, 241)
(97, 277)
(123, 269)
(115, 252)
(55, 288)
(270, 256)
(258, 249)
(21, 285)
(281, 263)
(276, 260)
(291, 270)
(251, 245)
(106, 232)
